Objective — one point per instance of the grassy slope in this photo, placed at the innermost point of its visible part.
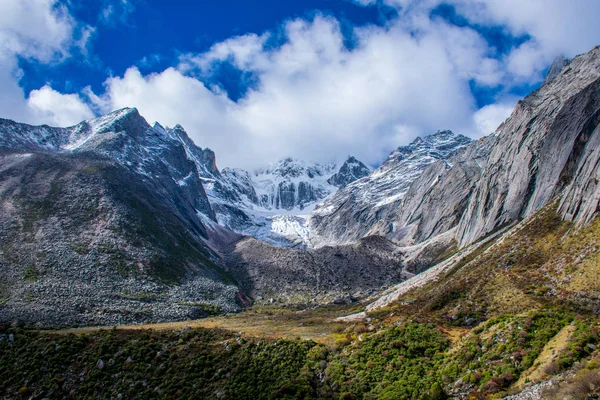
(520, 292)
(522, 309)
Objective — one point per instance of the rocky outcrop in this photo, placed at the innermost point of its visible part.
(436, 201)
(542, 148)
(370, 205)
(580, 202)
(352, 170)
(556, 68)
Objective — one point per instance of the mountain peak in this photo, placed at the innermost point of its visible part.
(350, 171)
(437, 145)
(123, 120)
(556, 68)
(293, 168)
(122, 113)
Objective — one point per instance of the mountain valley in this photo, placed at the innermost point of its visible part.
(457, 268)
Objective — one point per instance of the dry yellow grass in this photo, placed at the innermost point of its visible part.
(455, 334)
(552, 349)
(587, 275)
(507, 298)
(317, 324)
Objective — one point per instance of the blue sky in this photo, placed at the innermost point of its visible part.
(153, 33)
(314, 79)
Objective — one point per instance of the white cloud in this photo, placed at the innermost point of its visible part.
(41, 30)
(555, 27)
(569, 26)
(526, 62)
(315, 99)
(47, 104)
(488, 118)
(242, 51)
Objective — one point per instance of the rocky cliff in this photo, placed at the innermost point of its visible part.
(352, 170)
(539, 151)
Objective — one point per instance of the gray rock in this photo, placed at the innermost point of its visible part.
(322, 275)
(556, 68)
(538, 151)
(350, 171)
(370, 205)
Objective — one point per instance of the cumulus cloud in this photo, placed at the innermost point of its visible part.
(316, 99)
(489, 117)
(311, 96)
(46, 104)
(570, 27)
(242, 51)
(554, 27)
(41, 30)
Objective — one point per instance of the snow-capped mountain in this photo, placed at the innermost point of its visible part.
(154, 153)
(272, 203)
(357, 209)
(115, 206)
(350, 171)
(293, 185)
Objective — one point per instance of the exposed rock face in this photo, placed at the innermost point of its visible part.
(365, 206)
(556, 68)
(101, 220)
(294, 275)
(580, 201)
(350, 171)
(437, 200)
(538, 151)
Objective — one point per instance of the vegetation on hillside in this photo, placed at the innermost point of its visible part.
(410, 359)
(518, 311)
